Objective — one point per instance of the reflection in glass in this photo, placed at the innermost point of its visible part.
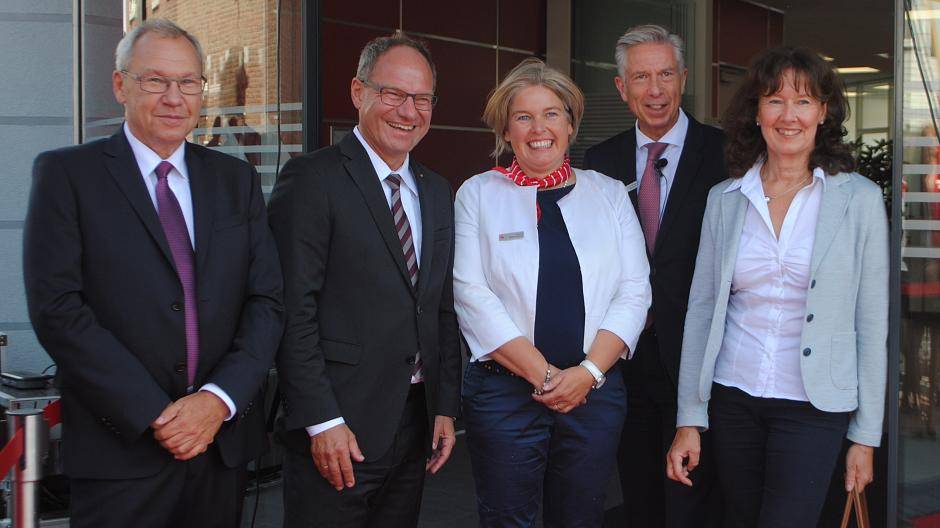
(919, 454)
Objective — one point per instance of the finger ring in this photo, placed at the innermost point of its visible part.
(557, 406)
(326, 466)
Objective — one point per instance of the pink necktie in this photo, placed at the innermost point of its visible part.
(648, 197)
(177, 235)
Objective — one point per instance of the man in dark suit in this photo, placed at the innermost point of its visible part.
(153, 281)
(668, 162)
(369, 365)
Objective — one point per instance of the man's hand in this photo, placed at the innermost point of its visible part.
(567, 389)
(442, 443)
(859, 467)
(187, 426)
(331, 450)
(687, 444)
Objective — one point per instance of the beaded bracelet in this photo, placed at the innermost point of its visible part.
(548, 378)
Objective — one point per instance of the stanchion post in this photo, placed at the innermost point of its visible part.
(23, 503)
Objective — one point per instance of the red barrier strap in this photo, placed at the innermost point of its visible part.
(11, 453)
(53, 413)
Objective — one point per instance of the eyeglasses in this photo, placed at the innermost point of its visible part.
(158, 84)
(393, 97)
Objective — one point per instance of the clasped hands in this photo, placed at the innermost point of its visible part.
(566, 390)
(335, 449)
(187, 426)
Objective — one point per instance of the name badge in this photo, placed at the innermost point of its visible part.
(632, 186)
(503, 237)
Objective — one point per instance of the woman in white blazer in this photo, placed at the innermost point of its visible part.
(551, 287)
(784, 353)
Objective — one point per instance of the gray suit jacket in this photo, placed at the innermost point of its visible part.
(843, 346)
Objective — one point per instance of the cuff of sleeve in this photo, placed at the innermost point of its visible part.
(694, 418)
(314, 430)
(864, 438)
(215, 389)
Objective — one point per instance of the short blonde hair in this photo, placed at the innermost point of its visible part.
(531, 72)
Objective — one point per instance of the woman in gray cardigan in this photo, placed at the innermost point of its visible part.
(784, 352)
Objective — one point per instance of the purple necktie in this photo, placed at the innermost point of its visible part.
(177, 235)
(648, 197)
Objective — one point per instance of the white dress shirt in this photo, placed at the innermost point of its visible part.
(760, 352)
(411, 204)
(178, 180)
(674, 139)
(496, 260)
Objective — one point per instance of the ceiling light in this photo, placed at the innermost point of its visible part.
(883, 55)
(825, 57)
(856, 69)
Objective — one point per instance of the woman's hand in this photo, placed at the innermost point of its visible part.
(687, 444)
(859, 467)
(566, 390)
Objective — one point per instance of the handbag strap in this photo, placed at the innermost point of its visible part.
(860, 504)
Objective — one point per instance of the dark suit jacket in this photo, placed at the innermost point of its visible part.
(701, 165)
(354, 322)
(104, 299)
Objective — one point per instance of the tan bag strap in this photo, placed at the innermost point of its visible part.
(861, 509)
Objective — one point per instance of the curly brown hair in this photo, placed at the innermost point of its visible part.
(745, 145)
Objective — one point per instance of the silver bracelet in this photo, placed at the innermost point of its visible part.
(548, 378)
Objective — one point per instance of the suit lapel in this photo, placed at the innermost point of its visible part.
(427, 226)
(686, 171)
(835, 201)
(201, 183)
(120, 161)
(626, 169)
(360, 169)
(733, 209)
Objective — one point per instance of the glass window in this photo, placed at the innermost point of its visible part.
(919, 449)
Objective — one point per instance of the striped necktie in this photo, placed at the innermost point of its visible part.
(403, 228)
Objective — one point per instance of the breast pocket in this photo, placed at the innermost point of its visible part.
(843, 361)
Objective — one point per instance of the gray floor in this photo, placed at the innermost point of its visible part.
(448, 498)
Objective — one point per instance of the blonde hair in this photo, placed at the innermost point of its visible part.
(531, 72)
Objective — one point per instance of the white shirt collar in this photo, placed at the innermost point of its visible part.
(751, 183)
(675, 136)
(383, 170)
(148, 160)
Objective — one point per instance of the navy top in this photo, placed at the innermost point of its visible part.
(559, 304)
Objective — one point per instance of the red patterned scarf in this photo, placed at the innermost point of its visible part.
(557, 177)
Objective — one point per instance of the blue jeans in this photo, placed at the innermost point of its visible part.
(524, 454)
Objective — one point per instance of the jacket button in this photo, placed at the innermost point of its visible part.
(420, 310)
(180, 368)
(176, 307)
(410, 360)
(807, 351)
(812, 284)
(809, 318)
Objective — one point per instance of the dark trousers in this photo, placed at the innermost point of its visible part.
(524, 454)
(197, 493)
(387, 493)
(775, 457)
(650, 499)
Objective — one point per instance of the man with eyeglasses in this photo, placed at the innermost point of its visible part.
(369, 365)
(153, 281)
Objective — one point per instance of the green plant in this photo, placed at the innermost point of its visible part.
(874, 162)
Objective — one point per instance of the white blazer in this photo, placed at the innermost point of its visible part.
(496, 260)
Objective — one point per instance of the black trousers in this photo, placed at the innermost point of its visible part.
(388, 490)
(650, 499)
(775, 457)
(197, 493)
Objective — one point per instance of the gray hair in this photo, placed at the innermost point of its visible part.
(377, 47)
(162, 27)
(649, 33)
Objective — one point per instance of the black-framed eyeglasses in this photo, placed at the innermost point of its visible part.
(394, 97)
(158, 84)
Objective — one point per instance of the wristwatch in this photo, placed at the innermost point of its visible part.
(599, 377)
